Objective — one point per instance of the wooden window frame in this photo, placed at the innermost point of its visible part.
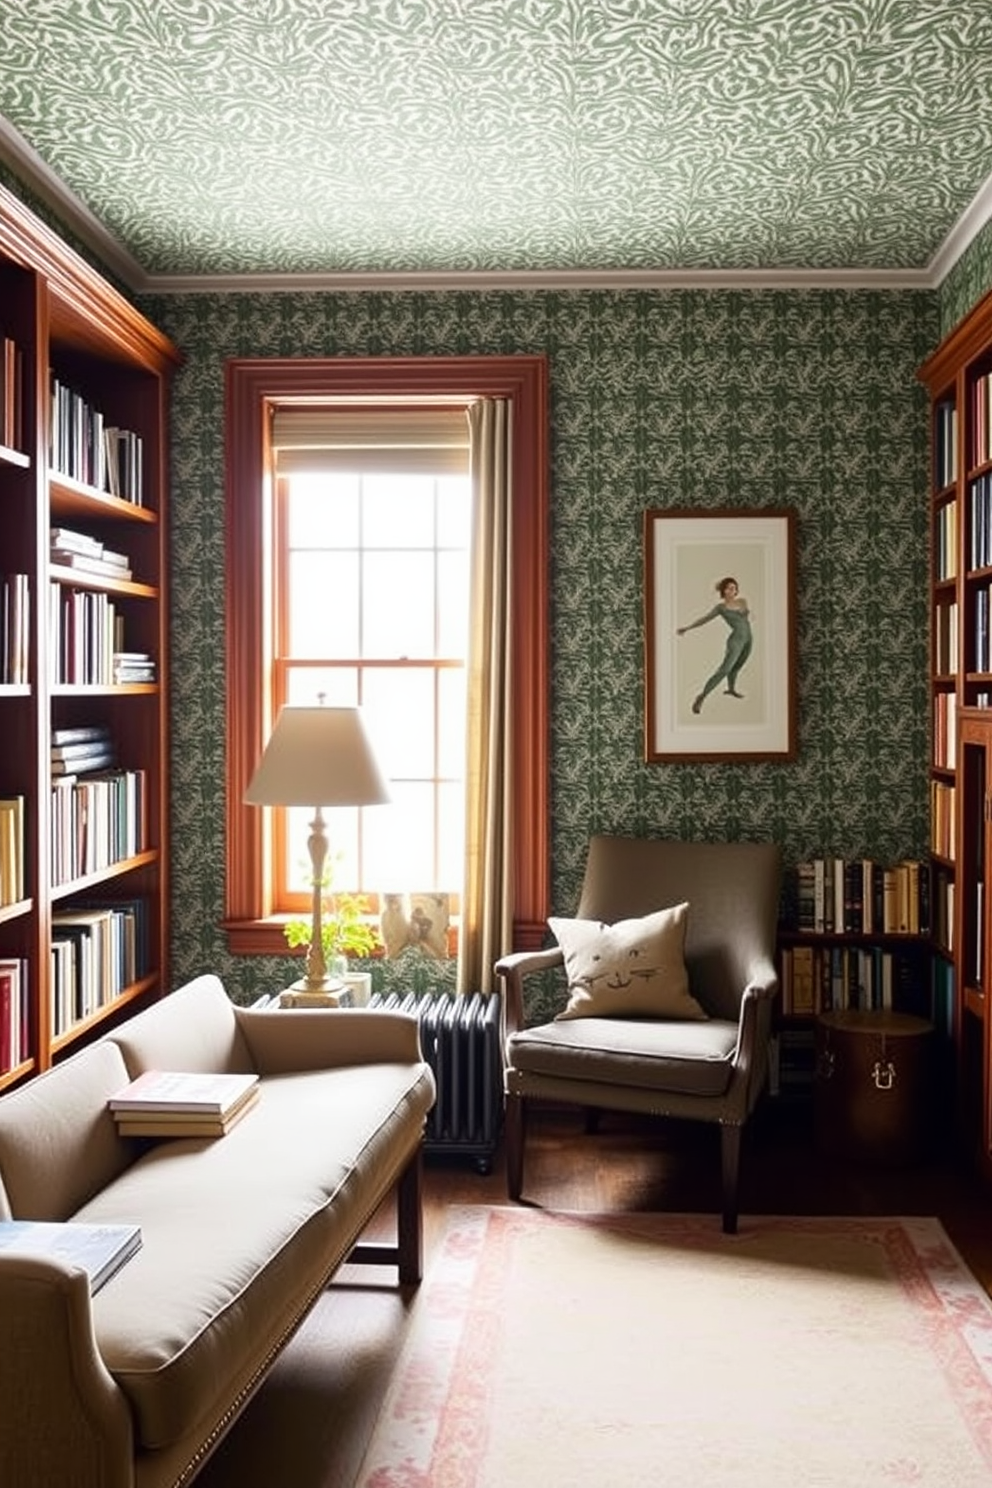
(252, 387)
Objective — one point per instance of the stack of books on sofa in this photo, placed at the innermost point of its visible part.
(179, 1103)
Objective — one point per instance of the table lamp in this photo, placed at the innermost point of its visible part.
(318, 757)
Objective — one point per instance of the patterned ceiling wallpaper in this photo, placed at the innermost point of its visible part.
(807, 399)
(508, 134)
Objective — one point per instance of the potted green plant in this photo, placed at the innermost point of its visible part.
(345, 927)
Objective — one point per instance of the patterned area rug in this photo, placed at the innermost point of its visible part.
(570, 1351)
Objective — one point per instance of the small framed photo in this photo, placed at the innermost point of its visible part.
(719, 635)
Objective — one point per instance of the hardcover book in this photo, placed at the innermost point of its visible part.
(194, 1092)
(100, 1249)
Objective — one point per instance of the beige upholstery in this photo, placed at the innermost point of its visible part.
(708, 1070)
(133, 1387)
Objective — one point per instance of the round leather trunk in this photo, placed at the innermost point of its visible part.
(871, 1086)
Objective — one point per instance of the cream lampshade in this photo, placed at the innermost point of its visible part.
(318, 757)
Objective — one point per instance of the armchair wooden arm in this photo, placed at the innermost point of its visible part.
(513, 968)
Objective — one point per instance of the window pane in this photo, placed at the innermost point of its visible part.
(398, 511)
(451, 841)
(323, 604)
(323, 511)
(406, 860)
(399, 707)
(398, 604)
(451, 724)
(452, 604)
(341, 825)
(336, 686)
(454, 511)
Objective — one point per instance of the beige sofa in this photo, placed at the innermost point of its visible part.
(133, 1387)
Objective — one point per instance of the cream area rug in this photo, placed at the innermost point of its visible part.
(572, 1351)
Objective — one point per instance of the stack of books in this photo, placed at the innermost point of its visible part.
(133, 666)
(87, 555)
(179, 1103)
(76, 751)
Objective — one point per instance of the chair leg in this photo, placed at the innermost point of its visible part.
(730, 1151)
(513, 1135)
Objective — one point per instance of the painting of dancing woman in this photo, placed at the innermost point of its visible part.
(733, 609)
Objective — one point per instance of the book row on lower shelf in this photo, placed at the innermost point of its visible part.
(14, 629)
(97, 822)
(14, 1023)
(860, 897)
(817, 979)
(97, 952)
(88, 650)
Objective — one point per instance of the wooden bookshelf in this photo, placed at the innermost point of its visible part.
(958, 378)
(77, 361)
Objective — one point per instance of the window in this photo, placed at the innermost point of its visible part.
(371, 530)
(258, 610)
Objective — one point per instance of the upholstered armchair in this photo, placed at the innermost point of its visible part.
(705, 1056)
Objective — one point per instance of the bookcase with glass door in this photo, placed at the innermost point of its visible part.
(958, 377)
(83, 650)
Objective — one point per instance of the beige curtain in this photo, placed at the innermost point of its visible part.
(487, 890)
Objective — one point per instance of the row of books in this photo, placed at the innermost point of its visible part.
(97, 952)
(980, 522)
(86, 629)
(180, 1103)
(83, 446)
(982, 661)
(942, 908)
(87, 633)
(11, 850)
(942, 828)
(97, 821)
(945, 542)
(981, 419)
(945, 638)
(14, 1022)
(945, 444)
(84, 554)
(11, 394)
(945, 729)
(861, 897)
(14, 628)
(839, 978)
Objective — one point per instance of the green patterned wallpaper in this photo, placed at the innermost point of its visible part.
(806, 399)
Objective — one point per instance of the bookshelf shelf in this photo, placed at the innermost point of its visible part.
(82, 479)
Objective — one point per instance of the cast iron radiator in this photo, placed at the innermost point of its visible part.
(460, 1037)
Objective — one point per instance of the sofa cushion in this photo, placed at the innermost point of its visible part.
(242, 1231)
(58, 1141)
(633, 968)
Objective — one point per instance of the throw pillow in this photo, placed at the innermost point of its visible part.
(632, 969)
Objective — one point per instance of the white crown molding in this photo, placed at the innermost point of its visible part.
(537, 279)
(964, 232)
(38, 177)
(32, 171)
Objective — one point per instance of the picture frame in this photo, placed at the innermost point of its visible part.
(719, 635)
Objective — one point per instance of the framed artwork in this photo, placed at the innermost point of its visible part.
(719, 635)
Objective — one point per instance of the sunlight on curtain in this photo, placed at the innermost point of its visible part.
(487, 889)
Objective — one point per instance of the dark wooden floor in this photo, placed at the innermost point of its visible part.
(640, 1164)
